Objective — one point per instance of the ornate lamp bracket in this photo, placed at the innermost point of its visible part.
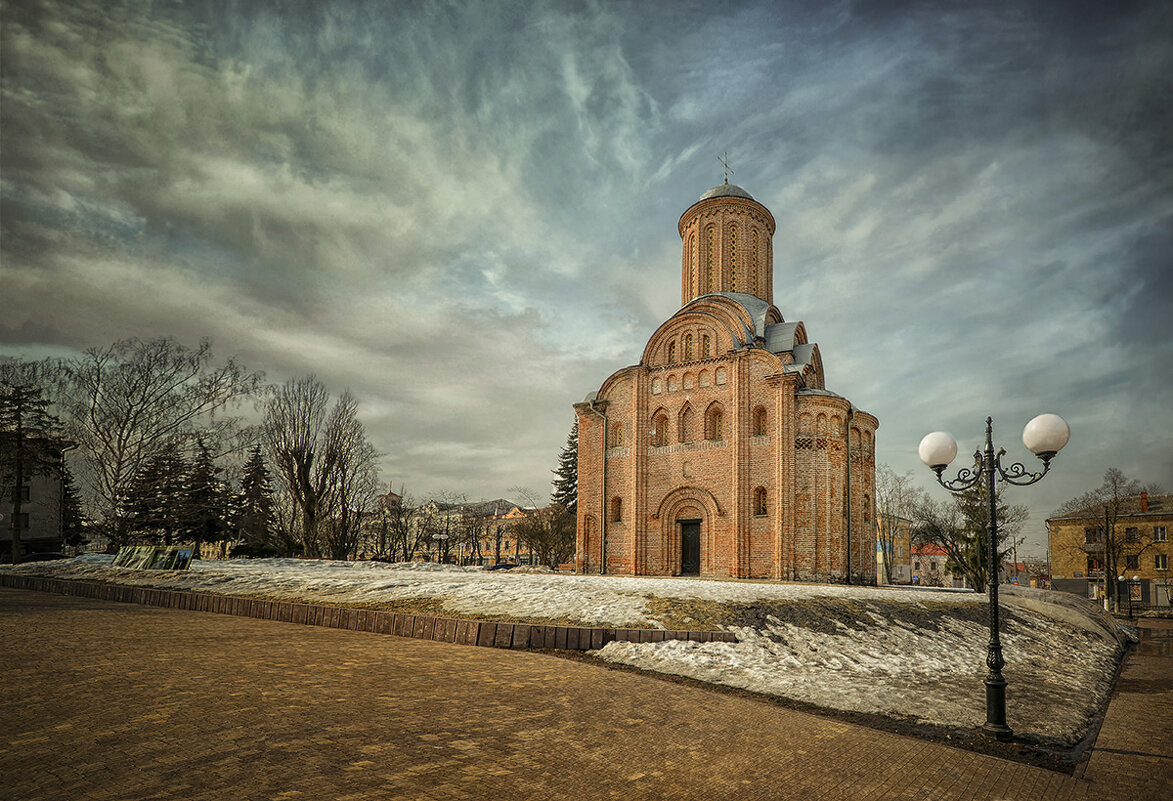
(966, 477)
(1018, 474)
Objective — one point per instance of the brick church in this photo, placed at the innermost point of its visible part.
(722, 453)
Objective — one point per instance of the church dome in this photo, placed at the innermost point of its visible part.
(726, 190)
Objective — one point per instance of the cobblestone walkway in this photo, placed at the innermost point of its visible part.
(104, 700)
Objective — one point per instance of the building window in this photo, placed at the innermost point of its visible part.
(900, 550)
(916, 565)
(1091, 535)
(759, 421)
(759, 501)
(715, 423)
(684, 424)
(617, 435)
(660, 429)
(753, 263)
(688, 347)
(1161, 561)
(672, 352)
(1132, 562)
(711, 246)
(616, 510)
(1159, 534)
(706, 346)
(24, 493)
(733, 258)
(1131, 534)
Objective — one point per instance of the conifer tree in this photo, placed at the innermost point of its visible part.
(255, 507)
(29, 445)
(206, 508)
(72, 519)
(156, 507)
(566, 475)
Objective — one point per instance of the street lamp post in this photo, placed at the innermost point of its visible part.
(441, 546)
(1044, 436)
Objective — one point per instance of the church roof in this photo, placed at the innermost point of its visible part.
(753, 305)
(726, 190)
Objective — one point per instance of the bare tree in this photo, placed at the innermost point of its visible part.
(123, 403)
(959, 526)
(323, 461)
(549, 531)
(1106, 503)
(897, 498)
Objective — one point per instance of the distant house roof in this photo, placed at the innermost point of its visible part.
(929, 549)
(1130, 506)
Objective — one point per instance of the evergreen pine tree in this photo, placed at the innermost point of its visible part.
(566, 475)
(29, 446)
(255, 508)
(157, 499)
(206, 507)
(72, 519)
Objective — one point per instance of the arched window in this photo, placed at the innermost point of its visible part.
(684, 424)
(692, 265)
(715, 422)
(759, 501)
(733, 258)
(706, 346)
(672, 352)
(688, 347)
(753, 263)
(617, 435)
(759, 421)
(711, 247)
(660, 429)
(616, 509)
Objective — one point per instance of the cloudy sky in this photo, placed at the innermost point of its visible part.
(466, 212)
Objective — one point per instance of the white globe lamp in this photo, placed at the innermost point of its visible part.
(937, 450)
(1045, 435)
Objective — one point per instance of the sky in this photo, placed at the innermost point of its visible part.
(466, 213)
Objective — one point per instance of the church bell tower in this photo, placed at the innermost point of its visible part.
(727, 245)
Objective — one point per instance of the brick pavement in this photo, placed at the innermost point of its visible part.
(1133, 754)
(117, 701)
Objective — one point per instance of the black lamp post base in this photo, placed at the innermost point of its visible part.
(995, 725)
(999, 731)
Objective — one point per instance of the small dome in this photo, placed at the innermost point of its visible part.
(727, 190)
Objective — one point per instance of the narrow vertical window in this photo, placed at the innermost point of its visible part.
(711, 246)
(718, 425)
(759, 421)
(660, 430)
(753, 263)
(616, 509)
(688, 347)
(672, 352)
(693, 272)
(733, 258)
(617, 436)
(759, 501)
(706, 346)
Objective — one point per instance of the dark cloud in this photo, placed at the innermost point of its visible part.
(466, 212)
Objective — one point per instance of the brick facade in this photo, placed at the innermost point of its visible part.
(726, 421)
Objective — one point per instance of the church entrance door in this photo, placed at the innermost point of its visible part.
(690, 547)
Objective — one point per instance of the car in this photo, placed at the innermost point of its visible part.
(501, 566)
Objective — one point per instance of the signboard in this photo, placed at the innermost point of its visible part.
(153, 557)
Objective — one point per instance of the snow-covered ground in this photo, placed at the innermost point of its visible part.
(916, 654)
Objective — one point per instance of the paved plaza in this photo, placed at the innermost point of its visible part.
(103, 700)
